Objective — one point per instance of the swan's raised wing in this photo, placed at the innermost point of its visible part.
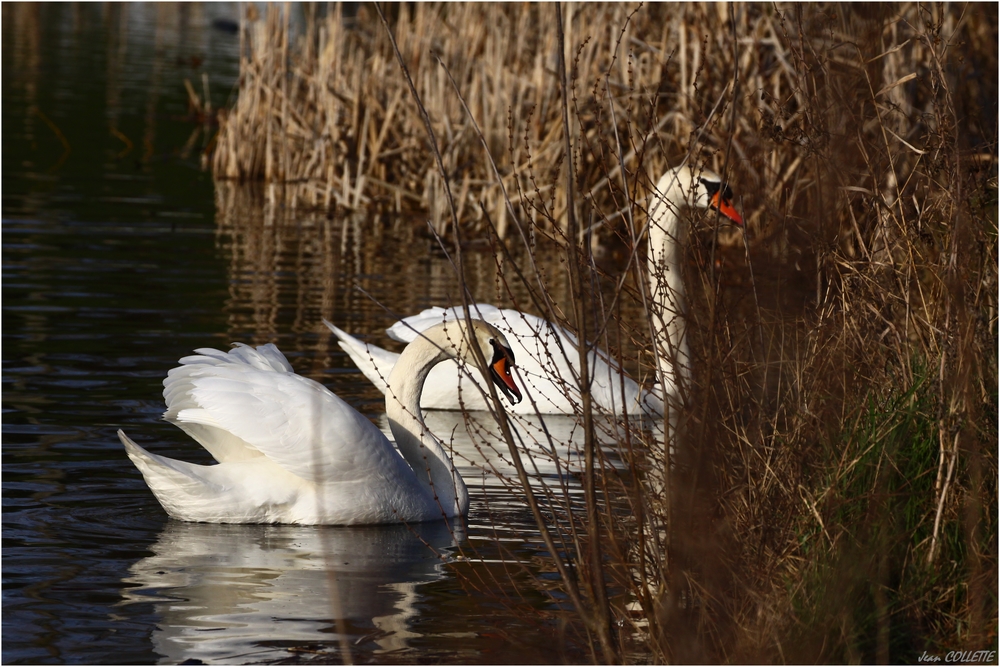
(547, 360)
(248, 403)
(551, 352)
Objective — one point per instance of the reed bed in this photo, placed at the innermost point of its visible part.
(832, 493)
(329, 122)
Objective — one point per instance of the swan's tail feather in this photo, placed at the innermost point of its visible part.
(373, 361)
(176, 484)
(242, 492)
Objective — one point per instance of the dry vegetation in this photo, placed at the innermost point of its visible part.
(834, 498)
(332, 121)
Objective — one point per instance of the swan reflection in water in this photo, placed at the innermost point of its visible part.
(550, 445)
(259, 592)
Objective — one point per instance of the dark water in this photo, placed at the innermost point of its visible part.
(119, 257)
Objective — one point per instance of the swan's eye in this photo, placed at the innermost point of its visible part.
(501, 350)
(715, 188)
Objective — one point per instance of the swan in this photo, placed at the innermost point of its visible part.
(290, 451)
(680, 186)
(548, 360)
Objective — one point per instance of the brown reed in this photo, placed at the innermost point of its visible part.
(329, 122)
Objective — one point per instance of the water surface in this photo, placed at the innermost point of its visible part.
(119, 257)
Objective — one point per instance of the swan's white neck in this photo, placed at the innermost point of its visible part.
(425, 454)
(666, 238)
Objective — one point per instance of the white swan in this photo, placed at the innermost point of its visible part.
(548, 364)
(548, 361)
(680, 186)
(291, 451)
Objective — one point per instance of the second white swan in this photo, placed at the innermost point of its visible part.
(548, 363)
(548, 360)
(680, 186)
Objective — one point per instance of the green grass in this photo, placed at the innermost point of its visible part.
(866, 592)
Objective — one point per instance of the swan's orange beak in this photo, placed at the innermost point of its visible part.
(503, 361)
(725, 207)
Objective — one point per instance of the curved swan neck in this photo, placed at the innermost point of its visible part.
(666, 238)
(425, 454)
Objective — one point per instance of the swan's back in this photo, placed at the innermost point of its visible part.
(408, 328)
(547, 359)
(249, 403)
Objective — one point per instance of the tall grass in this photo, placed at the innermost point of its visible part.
(832, 495)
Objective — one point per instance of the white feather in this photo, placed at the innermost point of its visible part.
(546, 356)
(291, 451)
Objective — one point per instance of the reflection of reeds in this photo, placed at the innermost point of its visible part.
(289, 271)
(833, 494)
